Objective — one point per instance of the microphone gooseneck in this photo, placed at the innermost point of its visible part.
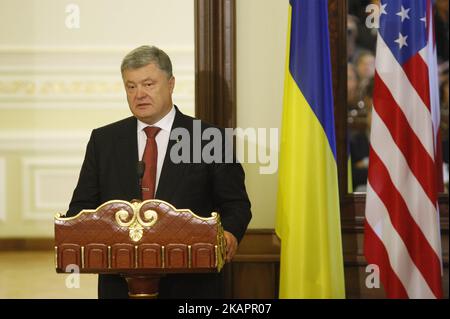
(140, 168)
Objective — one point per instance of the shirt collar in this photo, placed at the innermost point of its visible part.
(165, 123)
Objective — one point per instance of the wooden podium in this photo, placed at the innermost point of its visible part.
(141, 241)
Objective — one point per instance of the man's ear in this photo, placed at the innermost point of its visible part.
(171, 84)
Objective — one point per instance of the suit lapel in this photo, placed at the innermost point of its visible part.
(127, 159)
(171, 172)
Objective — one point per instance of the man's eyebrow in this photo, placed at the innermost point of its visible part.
(143, 80)
(147, 79)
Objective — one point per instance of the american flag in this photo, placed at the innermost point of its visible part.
(402, 232)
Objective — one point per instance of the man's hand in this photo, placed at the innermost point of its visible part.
(231, 246)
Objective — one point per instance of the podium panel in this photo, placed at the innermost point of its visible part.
(139, 240)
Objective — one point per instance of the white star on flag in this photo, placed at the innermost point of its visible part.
(383, 9)
(424, 20)
(401, 40)
(404, 13)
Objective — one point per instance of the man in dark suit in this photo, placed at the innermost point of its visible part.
(109, 170)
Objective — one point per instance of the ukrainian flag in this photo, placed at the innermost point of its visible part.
(308, 218)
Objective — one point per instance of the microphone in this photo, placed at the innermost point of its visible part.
(140, 168)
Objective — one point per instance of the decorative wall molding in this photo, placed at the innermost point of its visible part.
(34, 172)
(47, 180)
(12, 140)
(79, 77)
(42, 49)
(69, 91)
(3, 194)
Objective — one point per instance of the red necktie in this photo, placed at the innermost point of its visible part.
(150, 159)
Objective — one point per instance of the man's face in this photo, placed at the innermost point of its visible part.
(149, 92)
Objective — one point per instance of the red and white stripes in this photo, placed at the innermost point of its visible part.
(402, 220)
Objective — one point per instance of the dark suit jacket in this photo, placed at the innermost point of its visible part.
(109, 172)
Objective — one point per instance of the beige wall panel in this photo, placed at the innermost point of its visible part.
(261, 45)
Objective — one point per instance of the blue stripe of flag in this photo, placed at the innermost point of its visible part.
(309, 60)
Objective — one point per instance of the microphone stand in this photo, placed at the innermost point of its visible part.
(140, 169)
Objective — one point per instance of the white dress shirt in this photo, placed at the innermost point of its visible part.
(162, 140)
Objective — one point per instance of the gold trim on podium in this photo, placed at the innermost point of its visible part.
(133, 220)
(189, 256)
(56, 257)
(136, 257)
(136, 206)
(82, 257)
(109, 257)
(143, 296)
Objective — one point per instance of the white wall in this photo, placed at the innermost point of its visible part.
(261, 46)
